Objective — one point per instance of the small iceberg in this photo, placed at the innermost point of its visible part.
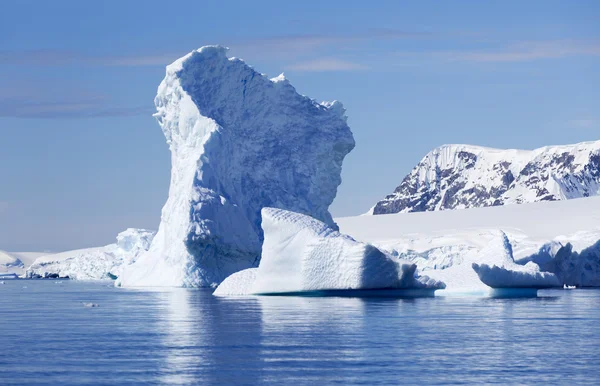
(302, 256)
(516, 277)
(508, 279)
(515, 282)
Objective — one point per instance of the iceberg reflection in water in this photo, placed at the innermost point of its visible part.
(513, 292)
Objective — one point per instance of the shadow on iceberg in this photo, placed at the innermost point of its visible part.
(302, 256)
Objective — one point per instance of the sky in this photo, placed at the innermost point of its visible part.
(82, 158)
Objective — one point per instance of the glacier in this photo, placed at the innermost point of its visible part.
(302, 255)
(466, 176)
(239, 142)
(99, 263)
(560, 238)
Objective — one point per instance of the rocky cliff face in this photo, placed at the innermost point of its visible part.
(239, 142)
(463, 176)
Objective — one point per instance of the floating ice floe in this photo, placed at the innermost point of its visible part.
(304, 256)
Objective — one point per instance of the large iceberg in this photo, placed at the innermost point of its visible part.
(303, 255)
(239, 142)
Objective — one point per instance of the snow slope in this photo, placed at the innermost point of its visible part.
(464, 176)
(95, 263)
(561, 237)
(302, 254)
(239, 142)
(16, 262)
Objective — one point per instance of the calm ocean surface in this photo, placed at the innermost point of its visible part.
(179, 336)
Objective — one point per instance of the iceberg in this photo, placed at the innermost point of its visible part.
(527, 276)
(99, 263)
(497, 268)
(302, 255)
(239, 142)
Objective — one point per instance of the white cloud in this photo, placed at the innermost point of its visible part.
(326, 64)
(65, 58)
(528, 51)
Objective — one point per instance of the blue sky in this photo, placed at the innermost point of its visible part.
(82, 159)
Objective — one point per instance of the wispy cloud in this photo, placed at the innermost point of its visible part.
(283, 47)
(326, 64)
(527, 51)
(35, 103)
(306, 43)
(67, 110)
(65, 58)
(584, 123)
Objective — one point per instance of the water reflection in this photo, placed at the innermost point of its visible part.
(184, 342)
(309, 337)
(206, 340)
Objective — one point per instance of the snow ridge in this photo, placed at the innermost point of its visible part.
(239, 142)
(465, 176)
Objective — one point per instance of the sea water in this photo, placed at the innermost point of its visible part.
(51, 335)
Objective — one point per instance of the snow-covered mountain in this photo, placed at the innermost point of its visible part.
(464, 176)
(239, 142)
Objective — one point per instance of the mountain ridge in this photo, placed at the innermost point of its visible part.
(456, 176)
